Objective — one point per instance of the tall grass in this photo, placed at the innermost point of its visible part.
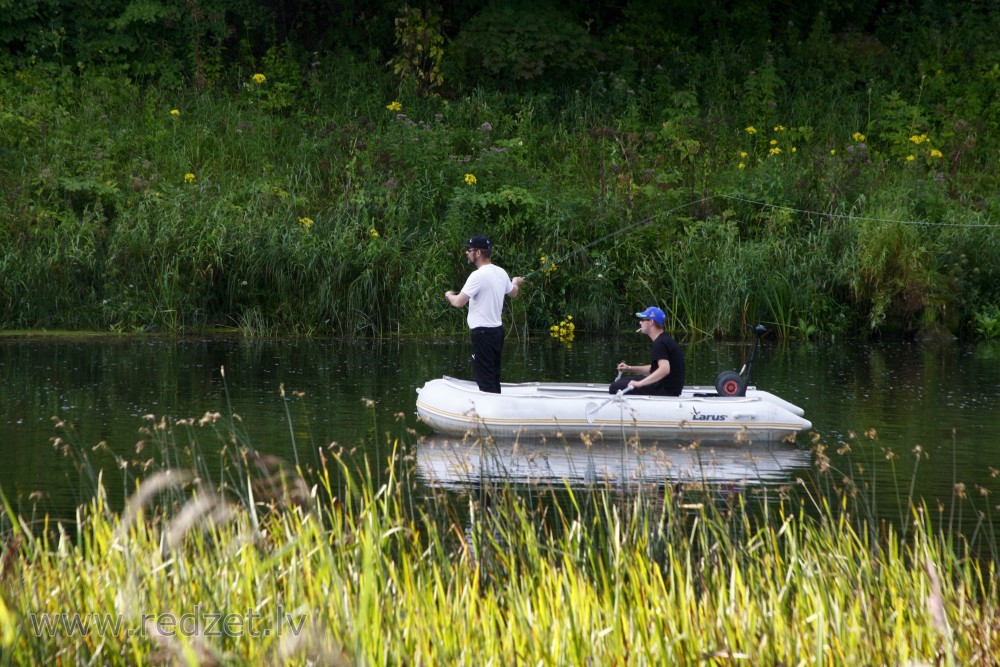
(339, 565)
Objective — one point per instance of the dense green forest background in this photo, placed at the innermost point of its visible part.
(312, 167)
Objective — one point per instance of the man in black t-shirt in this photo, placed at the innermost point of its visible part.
(664, 375)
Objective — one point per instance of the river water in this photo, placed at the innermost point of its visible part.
(883, 399)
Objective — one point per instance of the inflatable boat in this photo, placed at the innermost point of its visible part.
(551, 409)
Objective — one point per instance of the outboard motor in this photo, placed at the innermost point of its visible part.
(731, 383)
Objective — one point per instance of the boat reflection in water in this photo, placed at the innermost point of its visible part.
(460, 463)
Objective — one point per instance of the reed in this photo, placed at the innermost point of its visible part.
(339, 564)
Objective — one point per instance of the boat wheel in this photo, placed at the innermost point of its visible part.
(729, 383)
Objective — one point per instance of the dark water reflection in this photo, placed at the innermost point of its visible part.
(883, 399)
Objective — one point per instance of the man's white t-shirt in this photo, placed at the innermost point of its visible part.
(486, 288)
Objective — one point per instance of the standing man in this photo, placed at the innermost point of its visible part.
(484, 291)
(664, 375)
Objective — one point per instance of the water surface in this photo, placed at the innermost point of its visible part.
(882, 399)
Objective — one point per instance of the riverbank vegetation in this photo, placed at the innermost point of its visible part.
(332, 563)
(228, 164)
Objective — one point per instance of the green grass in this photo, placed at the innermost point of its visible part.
(352, 569)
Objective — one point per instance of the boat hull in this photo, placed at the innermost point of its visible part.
(539, 409)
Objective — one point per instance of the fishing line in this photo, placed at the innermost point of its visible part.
(845, 216)
(835, 216)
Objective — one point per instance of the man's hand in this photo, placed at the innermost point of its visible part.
(458, 299)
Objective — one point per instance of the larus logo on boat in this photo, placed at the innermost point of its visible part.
(699, 417)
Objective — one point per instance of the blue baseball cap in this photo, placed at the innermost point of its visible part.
(653, 313)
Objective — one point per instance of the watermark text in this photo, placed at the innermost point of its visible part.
(167, 624)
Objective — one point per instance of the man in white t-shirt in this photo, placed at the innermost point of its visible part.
(484, 291)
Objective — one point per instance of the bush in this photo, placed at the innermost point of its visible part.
(509, 45)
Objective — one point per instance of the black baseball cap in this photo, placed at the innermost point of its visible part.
(479, 242)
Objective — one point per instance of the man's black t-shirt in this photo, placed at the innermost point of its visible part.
(666, 348)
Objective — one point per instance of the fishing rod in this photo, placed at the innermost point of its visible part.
(644, 221)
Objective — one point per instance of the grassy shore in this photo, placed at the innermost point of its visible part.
(341, 565)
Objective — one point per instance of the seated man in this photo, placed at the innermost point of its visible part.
(664, 376)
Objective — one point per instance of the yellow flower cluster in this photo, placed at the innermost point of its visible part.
(547, 267)
(306, 223)
(373, 233)
(470, 179)
(175, 112)
(932, 153)
(564, 331)
(394, 106)
(857, 136)
(189, 177)
(774, 149)
(259, 78)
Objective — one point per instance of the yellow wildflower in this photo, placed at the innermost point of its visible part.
(470, 179)
(918, 138)
(751, 129)
(306, 223)
(779, 128)
(394, 106)
(857, 136)
(743, 154)
(564, 331)
(794, 149)
(833, 151)
(373, 233)
(774, 151)
(935, 153)
(175, 112)
(189, 177)
(910, 158)
(774, 142)
(259, 78)
(742, 165)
